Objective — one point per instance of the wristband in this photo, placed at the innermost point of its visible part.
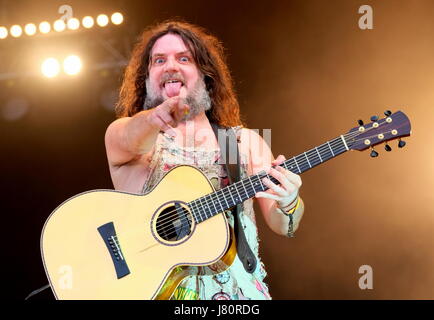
(293, 209)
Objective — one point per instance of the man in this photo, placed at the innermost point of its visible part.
(176, 83)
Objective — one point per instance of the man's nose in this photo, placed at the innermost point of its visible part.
(171, 65)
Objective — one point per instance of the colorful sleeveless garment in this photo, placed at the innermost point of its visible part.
(210, 283)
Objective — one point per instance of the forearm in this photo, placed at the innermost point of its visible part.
(139, 134)
(279, 222)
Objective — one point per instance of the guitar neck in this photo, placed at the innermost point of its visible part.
(216, 202)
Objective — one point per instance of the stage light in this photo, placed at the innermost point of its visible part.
(16, 31)
(87, 22)
(72, 65)
(50, 67)
(3, 33)
(117, 18)
(30, 29)
(59, 25)
(102, 20)
(44, 27)
(73, 24)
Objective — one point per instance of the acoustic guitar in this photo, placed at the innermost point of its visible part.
(107, 244)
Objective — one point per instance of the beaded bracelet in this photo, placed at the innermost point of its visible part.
(290, 232)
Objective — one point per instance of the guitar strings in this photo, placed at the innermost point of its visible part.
(250, 188)
(201, 208)
(169, 219)
(303, 164)
(163, 222)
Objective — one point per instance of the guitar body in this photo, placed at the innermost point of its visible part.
(105, 244)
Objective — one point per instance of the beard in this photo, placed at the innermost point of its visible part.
(198, 99)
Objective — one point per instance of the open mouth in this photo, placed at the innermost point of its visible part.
(172, 87)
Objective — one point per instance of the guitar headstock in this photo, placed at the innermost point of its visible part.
(391, 127)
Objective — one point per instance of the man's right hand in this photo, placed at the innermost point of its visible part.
(128, 137)
(167, 115)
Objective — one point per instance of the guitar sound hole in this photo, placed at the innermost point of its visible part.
(174, 223)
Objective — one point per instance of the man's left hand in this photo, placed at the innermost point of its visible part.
(287, 191)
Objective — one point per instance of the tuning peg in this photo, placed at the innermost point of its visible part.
(360, 122)
(387, 148)
(374, 118)
(401, 143)
(387, 113)
(374, 153)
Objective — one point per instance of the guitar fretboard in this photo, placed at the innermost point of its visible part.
(211, 204)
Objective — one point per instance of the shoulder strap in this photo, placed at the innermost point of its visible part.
(233, 170)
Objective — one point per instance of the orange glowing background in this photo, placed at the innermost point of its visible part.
(303, 68)
(320, 75)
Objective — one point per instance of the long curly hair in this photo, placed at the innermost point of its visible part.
(208, 54)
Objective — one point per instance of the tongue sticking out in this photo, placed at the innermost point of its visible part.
(172, 89)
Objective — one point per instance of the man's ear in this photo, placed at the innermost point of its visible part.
(208, 84)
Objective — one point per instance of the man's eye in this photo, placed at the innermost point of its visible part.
(184, 59)
(159, 60)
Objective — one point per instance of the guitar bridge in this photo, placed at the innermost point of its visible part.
(108, 234)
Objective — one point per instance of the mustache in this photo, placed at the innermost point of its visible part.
(174, 75)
